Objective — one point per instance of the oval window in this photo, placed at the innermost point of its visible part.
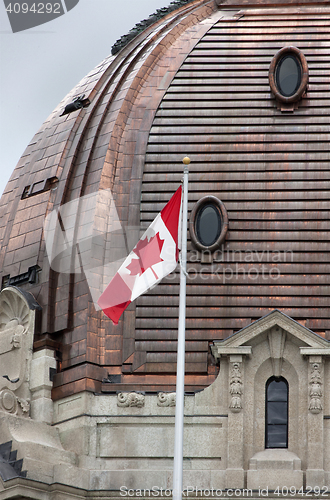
(208, 225)
(288, 75)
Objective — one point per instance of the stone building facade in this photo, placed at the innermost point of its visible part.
(87, 407)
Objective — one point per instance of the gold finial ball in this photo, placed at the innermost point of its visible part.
(186, 160)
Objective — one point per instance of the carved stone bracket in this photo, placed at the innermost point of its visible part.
(166, 399)
(236, 356)
(317, 356)
(235, 387)
(130, 399)
(315, 391)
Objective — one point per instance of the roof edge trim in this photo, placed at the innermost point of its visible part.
(145, 23)
(269, 3)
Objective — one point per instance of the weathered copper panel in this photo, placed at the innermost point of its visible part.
(269, 168)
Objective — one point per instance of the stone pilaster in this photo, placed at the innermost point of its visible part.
(235, 465)
(315, 427)
(236, 355)
(41, 385)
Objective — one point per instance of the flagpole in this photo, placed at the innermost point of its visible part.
(179, 407)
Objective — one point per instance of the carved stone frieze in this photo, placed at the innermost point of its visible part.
(166, 399)
(126, 399)
(315, 391)
(236, 387)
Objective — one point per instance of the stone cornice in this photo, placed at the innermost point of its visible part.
(309, 351)
(219, 350)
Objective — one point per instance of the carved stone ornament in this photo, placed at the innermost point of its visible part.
(166, 399)
(8, 401)
(315, 391)
(24, 404)
(17, 318)
(126, 399)
(276, 342)
(236, 388)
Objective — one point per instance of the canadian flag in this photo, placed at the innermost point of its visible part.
(154, 257)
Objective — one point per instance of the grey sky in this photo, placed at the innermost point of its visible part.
(41, 65)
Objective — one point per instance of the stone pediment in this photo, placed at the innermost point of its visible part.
(277, 326)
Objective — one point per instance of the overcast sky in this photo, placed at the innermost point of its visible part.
(41, 65)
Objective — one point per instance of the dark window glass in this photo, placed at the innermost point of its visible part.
(277, 436)
(288, 75)
(276, 413)
(277, 391)
(208, 225)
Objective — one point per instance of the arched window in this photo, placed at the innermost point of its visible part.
(277, 399)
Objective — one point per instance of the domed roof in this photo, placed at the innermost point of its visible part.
(196, 83)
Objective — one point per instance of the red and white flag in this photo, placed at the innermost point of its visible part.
(154, 257)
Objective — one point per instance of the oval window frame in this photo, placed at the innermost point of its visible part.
(220, 207)
(299, 56)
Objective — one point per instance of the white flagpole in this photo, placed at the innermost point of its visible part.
(179, 407)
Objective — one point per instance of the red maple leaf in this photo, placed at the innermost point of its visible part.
(148, 253)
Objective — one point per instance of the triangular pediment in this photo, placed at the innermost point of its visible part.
(240, 342)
